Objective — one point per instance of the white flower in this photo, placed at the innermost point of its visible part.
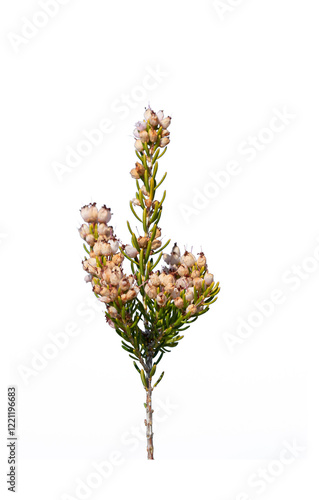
(160, 115)
(165, 123)
(188, 259)
(151, 291)
(161, 299)
(182, 270)
(198, 282)
(89, 213)
(201, 261)
(131, 251)
(90, 239)
(104, 215)
(209, 279)
(124, 284)
(167, 258)
(175, 293)
(114, 245)
(189, 295)
(112, 312)
(191, 309)
(84, 231)
(155, 280)
(179, 303)
(139, 145)
(105, 230)
(144, 136)
(181, 283)
(148, 114)
(164, 141)
(140, 126)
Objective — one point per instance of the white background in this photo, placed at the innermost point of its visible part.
(224, 71)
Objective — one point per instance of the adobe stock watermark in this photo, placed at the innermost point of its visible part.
(59, 341)
(121, 107)
(130, 442)
(3, 237)
(34, 24)
(248, 150)
(224, 7)
(265, 477)
(291, 281)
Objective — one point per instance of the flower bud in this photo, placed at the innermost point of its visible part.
(165, 123)
(131, 294)
(169, 278)
(189, 295)
(148, 113)
(105, 230)
(153, 119)
(144, 136)
(139, 145)
(89, 213)
(124, 284)
(183, 270)
(89, 265)
(161, 299)
(165, 133)
(142, 241)
(90, 239)
(164, 141)
(148, 203)
(130, 251)
(134, 173)
(201, 261)
(118, 259)
(136, 202)
(104, 215)
(105, 299)
(153, 135)
(189, 281)
(84, 231)
(176, 250)
(102, 247)
(115, 276)
(167, 258)
(110, 322)
(154, 280)
(112, 312)
(139, 168)
(169, 288)
(160, 115)
(144, 191)
(112, 293)
(175, 293)
(150, 291)
(156, 244)
(182, 283)
(136, 133)
(198, 282)
(195, 273)
(179, 303)
(158, 233)
(114, 245)
(88, 278)
(140, 126)
(191, 309)
(209, 279)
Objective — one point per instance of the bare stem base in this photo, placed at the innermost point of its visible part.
(149, 422)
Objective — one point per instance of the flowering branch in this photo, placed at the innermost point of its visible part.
(148, 309)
